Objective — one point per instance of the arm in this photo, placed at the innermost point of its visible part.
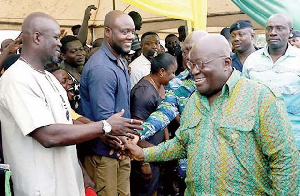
(165, 113)
(83, 31)
(66, 134)
(278, 144)
(11, 49)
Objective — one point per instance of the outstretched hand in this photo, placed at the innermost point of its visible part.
(134, 152)
(123, 126)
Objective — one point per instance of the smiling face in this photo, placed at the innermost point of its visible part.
(169, 73)
(211, 75)
(277, 30)
(75, 53)
(66, 81)
(119, 33)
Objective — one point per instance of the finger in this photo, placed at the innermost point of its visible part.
(130, 131)
(111, 152)
(134, 121)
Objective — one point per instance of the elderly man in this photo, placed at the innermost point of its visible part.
(105, 89)
(242, 36)
(178, 91)
(36, 121)
(235, 132)
(277, 64)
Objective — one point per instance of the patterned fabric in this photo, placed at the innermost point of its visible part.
(178, 91)
(284, 74)
(240, 145)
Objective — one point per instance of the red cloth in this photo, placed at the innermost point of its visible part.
(90, 192)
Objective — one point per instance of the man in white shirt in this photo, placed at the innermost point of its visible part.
(37, 131)
(141, 66)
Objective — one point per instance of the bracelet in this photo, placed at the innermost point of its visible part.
(144, 163)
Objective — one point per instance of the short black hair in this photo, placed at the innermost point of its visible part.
(148, 33)
(134, 15)
(73, 28)
(181, 29)
(170, 35)
(162, 60)
(65, 40)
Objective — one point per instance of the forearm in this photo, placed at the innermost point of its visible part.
(159, 119)
(66, 134)
(166, 151)
(3, 56)
(83, 31)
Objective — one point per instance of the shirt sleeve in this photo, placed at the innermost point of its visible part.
(164, 114)
(169, 150)
(278, 144)
(102, 85)
(143, 102)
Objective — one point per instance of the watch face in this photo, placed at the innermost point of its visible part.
(106, 127)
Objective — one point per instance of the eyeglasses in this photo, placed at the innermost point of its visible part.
(200, 64)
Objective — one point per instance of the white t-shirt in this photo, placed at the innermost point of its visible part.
(139, 68)
(29, 100)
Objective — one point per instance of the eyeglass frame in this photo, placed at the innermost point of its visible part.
(191, 66)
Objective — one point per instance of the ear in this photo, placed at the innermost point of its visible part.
(161, 72)
(37, 38)
(107, 31)
(227, 63)
(252, 35)
(291, 31)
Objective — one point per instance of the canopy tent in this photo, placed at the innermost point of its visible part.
(220, 13)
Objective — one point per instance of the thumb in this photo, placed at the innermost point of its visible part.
(121, 113)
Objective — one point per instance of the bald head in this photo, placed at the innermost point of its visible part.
(281, 16)
(194, 37)
(36, 22)
(203, 47)
(111, 17)
(40, 38)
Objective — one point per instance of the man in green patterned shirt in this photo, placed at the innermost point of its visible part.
(235, 132)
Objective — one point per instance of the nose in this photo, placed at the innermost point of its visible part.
(59, 43)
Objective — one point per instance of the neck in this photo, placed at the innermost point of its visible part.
(155, 80)
(276, 53)
(112, 50)
(34, 63)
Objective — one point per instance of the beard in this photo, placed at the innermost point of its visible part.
(119, 49)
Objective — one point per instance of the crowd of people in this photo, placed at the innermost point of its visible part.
(210, 115)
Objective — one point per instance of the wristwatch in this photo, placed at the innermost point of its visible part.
(106, 127)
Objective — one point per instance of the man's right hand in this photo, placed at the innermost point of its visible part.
(121, 126)
(134, 152)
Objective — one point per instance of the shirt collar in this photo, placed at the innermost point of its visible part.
(108, 53)
(290, 51)
(231, 82)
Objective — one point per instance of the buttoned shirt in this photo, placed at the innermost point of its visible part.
(284, 74)
(241, 144)
(104, 91)
(178, 91)
(139, 68)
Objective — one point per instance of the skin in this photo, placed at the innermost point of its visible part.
(211, 79)
(295, 42)
(189, 41)
(242, 43)
(5, 44)
(150, 46)
(278, 29)
(118, 32)
(75, 54)
(171, 42)
(41, 44)
(216, 73)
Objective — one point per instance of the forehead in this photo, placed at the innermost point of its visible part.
(171, 39)
(74, 44)
(124, 22)
(60, 74)
(6, 42)
(277, 21)
(152, 37)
